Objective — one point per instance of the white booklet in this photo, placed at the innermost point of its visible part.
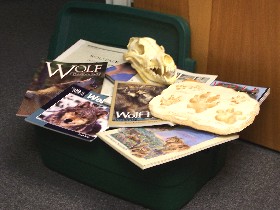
(86, 52)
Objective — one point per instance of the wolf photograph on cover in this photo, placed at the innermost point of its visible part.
(77, 114)
(132, 99)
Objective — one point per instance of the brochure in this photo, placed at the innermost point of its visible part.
(76, 112)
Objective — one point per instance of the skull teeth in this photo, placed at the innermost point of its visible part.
(156, 69)
(163, 78)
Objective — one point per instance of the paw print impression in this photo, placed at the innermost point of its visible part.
(203, 102)
(171, 100)
(229, 116)
(238, 99)
(184, 87)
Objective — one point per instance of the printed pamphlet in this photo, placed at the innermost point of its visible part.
(76, 112)
(150, 146)
(53, 77)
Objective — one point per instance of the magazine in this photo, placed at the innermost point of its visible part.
(203, 78)
(258, 93)
(130, 102)
(76, 112)
(150, 146)
(53, 77)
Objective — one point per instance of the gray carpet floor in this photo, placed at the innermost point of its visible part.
(250, 178)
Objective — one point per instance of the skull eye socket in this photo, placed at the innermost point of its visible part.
(140, 49)
(168, 59)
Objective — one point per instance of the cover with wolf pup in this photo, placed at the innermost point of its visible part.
(76, 111)
(129, 106)
(52, 77)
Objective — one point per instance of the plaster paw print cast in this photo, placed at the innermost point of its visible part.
(214, 109)
(150, 61)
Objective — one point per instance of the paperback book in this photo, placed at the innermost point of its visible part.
(150, 146)
(53, 77)
(258, 93)
(76, 112)
(130, 102)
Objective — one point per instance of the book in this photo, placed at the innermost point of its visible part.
(258, 93)
(151, 146)
(52, 77)
(76, 111)
(129, 107)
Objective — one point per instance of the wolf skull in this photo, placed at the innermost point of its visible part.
(150, 61)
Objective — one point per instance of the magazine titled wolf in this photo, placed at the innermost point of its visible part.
(76, 111)
(130, 103)
(53, 77)
(150, 146)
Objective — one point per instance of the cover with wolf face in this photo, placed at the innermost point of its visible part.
(76, 111)
(52, 77)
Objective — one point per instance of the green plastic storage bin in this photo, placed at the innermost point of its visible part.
(167, 186)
